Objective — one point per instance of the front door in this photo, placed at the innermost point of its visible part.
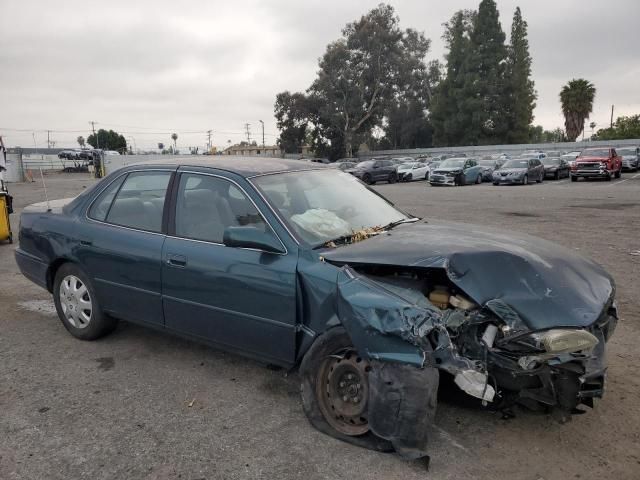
(241, 299)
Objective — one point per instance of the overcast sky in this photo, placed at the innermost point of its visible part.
(148, 68)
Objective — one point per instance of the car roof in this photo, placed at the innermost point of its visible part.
(243, 166)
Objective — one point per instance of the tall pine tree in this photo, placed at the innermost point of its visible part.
(448, 119)
(519, 89)
(484, 99)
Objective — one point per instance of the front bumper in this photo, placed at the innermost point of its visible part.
(628, 164)
(439, 179)
(588, 173)
(508, 180)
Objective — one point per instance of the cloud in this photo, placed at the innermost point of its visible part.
(159, 66)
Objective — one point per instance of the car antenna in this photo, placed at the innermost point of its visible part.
(44, 185)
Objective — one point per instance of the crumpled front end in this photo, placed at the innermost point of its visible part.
(489, 350)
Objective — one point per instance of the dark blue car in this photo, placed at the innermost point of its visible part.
(301, 265)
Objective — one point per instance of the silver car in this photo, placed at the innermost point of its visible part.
(630, 158)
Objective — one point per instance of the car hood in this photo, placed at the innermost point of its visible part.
(447, 170)
(530, 283)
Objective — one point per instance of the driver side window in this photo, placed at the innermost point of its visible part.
(207, 205)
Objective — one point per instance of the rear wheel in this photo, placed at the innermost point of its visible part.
(479, 180)
(77, 304)
(335, 390)
(556, 176)
(366, 178)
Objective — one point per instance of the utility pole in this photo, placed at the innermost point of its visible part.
(93, 127)
(262, 124)
(248, 132)
(48, 139)
(611, 123)
(209, 141)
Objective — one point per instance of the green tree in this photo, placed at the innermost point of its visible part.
(483, 91)
(576, 98)
(81, 141)
(623, 128)
(449, 121)
(361, 73)
(108, 140)
(537, 134)
(292, 112)
(174, 137)
(519, 91)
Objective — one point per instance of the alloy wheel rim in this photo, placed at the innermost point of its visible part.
(75, 301)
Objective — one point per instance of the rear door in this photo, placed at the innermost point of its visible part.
(241, 299)
(120, 245)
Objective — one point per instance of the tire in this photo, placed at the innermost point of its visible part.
(393, 178)
(618, 174)
(496, 183)
(540, 178)
(525, 180)
(88, 323)
(320, 375)
(408, 178)
(366, 178)
(574, 179)
(479, 180)
(556, 176)
(426, 176)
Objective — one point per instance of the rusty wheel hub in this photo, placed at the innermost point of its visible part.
(343, 391)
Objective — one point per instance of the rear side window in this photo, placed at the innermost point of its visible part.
(100, 207)
(140, 201)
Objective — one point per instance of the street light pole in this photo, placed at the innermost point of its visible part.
(135, 147)
(262, 123)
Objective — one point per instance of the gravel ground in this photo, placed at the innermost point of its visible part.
(140, 404)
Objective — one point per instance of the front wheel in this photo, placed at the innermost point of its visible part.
(366, 178)
(77, 305)
(335, 390)
(525, 180)
(479, 180)
(574, 179)
(393, 177)
(619, 173)
(408, 177)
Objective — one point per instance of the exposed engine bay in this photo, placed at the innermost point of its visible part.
(490, 354)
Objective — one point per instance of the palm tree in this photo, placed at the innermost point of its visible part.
(80, 141)
(174, 137)
(576, 98)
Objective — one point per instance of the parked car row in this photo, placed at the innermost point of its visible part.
(531, 166)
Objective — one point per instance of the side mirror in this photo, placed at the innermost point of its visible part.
(251, 237)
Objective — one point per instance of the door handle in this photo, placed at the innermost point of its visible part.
(176, 260)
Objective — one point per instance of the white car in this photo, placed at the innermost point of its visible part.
(570, 157)
(410, 171)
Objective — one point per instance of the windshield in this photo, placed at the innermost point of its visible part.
(596, 152)
(626, 151)
(516, 164)
(551, 161)
(365, 164)
(324, 205)
(408, 166)
(452, 163)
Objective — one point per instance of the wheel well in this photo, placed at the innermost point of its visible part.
(52, 270)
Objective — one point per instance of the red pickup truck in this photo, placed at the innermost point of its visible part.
(597, 162)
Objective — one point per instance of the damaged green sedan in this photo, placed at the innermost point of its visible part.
(305, 266)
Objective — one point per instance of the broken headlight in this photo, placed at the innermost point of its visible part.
(565, 341)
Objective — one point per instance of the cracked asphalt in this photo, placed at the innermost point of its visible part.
(140, 404)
